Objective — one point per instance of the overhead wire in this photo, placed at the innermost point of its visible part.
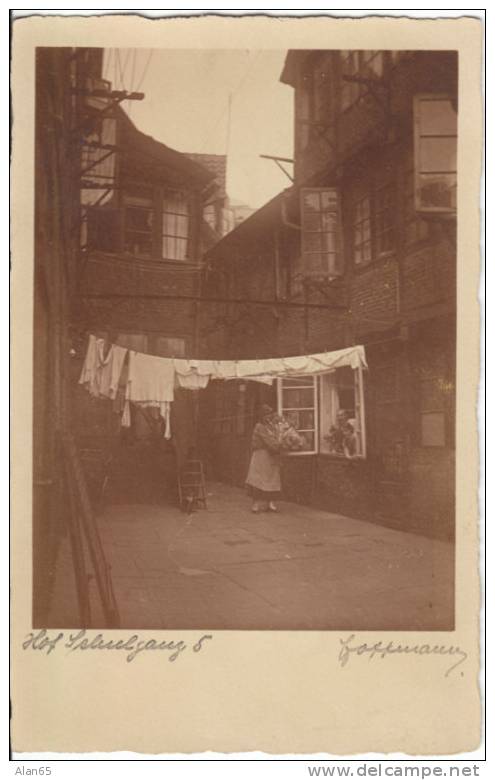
(232, 94)
(151, 52)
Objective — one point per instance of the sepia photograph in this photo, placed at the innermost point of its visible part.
(244, 339)
(246, 359)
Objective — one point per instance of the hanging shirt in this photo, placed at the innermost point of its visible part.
(192, 381)
(101, 372)
(150, 378)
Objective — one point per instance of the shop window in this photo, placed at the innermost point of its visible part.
(321, 245)
(373, 224)
(175, 226)
(327, 411)
(139, 222)
(435, 151)
(298, 403)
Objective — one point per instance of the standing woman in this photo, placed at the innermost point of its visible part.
(263, 479)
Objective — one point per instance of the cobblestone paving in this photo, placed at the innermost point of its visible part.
(226, 568)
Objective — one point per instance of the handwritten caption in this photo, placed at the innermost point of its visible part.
(130, 648)
(351, 647)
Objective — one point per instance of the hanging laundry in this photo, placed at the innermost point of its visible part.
(150, 378)
(224, 369)
(193, 374)
(192, 381)
(101, 371)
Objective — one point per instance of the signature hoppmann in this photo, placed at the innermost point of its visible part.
(381, 650)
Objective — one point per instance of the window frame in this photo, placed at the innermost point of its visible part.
(418, 135)
(338, 255)
(359, 401)
(155, 205)
(370, 191)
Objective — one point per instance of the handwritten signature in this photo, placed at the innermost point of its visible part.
(381, 650)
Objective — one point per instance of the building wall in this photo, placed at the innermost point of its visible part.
(401, 306)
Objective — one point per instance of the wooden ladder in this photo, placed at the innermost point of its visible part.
(191, 483)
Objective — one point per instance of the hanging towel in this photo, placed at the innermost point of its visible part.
(150, 378)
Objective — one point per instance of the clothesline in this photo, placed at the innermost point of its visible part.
(150, 380)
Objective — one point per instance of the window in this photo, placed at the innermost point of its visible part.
(327, 410)
(139, 222)
(297, 401)
(373, 226)
(175, 226)
(415, 228)
(320, 219)
(362, 231)
(358, 64)
(342, 413)
(435, 151)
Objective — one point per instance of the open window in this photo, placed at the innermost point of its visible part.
(342, 413)
(321, 233)
(327, 410)
(435, 154)
(298, 403)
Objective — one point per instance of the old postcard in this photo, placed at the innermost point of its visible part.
(246, 358)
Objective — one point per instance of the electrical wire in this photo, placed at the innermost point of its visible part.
(231, 98)
(151, 52)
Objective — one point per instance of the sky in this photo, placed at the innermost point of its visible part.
(186, 106)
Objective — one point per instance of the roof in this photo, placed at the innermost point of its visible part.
(216, 164)
(160, 161)
(253, 227)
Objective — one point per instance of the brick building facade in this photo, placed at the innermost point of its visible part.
(361, 249)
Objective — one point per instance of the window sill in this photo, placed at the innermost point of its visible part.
(342, 458)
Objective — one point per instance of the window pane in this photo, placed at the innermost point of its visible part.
(312, 221)
(312, 242)
(295, 399)
(329, 221)
(438, 154)
(328, 200)
(138, 244)
(437, 191)
(437, 117)
(311, 201)
(306, 420)
(138, 219)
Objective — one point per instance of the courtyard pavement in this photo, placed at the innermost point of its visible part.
(226, 568)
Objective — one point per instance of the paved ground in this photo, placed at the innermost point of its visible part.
(225, 568)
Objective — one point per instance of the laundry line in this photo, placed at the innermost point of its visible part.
(126, 376)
